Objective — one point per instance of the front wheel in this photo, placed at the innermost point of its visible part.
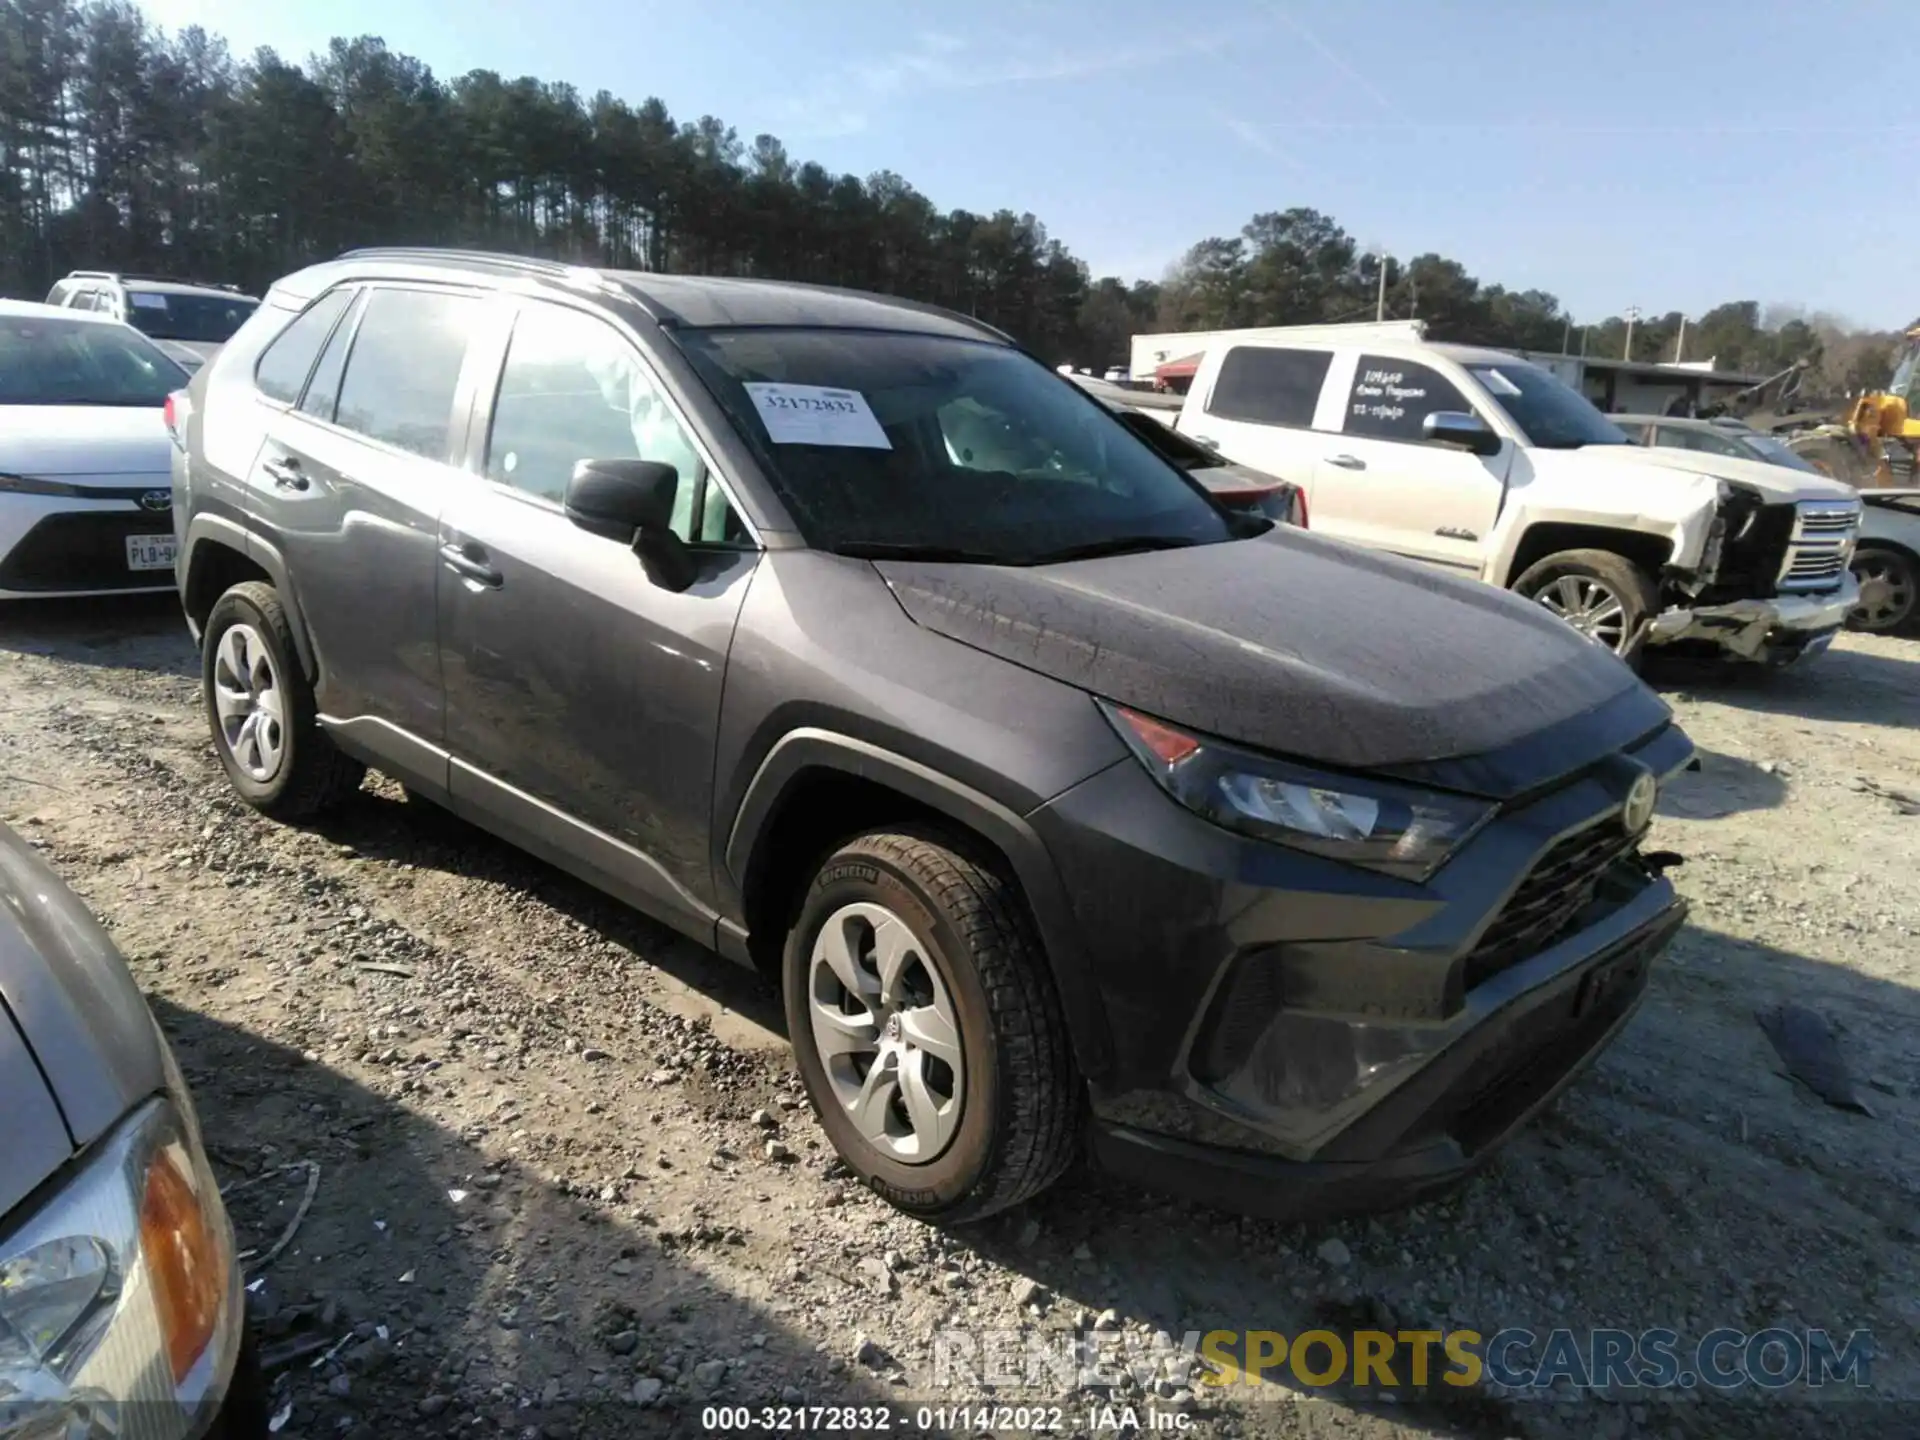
(1889, 590)
(927, 1030)
(1606, 597)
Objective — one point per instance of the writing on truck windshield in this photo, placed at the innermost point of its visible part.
(1548, 413)
(880, 442)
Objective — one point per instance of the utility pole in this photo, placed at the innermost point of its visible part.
(1680, 345)
(1633, 314)
(1380, 305)
(1566, 338)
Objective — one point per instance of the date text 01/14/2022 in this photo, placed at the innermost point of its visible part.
(944, 1419)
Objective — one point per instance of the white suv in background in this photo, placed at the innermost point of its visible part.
(189, 319)
(1481, 463)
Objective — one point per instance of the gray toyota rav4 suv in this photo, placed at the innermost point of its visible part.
(1071, 811)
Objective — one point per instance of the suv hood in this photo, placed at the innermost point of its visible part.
(80, 440)
(1775, 482)
(1290, 643)
(69, 993)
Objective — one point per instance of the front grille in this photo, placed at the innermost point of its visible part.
(84, 550)
(1822, 543)
(1556, 890)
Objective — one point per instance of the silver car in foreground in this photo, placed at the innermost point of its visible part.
(122, 1307)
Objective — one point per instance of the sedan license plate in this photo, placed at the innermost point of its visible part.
(150, 552)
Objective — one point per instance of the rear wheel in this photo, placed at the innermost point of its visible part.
(262, 712)
(1889, 590)
(927, 1029)
(1606, 597)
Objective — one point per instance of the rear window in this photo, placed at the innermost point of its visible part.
(404, 368)
(1264, 385)
(61, 361)
(204, 319)
(283, 369)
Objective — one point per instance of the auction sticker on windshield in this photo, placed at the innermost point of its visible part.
(817, 415)
(147, 300)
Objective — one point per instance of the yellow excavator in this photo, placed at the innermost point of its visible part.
(1872, 445)
(1885, 422)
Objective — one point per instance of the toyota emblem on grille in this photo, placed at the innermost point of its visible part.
(1637, 814)
(157, 500)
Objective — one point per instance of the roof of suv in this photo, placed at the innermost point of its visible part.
(157, 283)
(692, 301)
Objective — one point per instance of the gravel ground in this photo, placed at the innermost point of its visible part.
(568, 1185)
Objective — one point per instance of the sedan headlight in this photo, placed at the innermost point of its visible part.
(120, 1299)
(1391, 828)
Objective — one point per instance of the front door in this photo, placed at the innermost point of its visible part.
(1396, 490)
(583, 700)
(349, 484)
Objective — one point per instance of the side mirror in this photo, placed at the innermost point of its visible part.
(632, 501)
(1461, 428)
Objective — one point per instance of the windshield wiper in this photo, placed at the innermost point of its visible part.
(1118, 545)
(901, 550)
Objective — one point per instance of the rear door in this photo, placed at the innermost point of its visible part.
(1258, 410)
(1383, 484)
(582, 699)
(349, 483)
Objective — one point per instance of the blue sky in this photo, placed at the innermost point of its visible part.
(1668, 154)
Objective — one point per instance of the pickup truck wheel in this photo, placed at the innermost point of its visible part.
(1889, 590)
(927, 1029)
(262, 710)
(1606, 597)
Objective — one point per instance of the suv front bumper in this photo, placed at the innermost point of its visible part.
(1779, 630)
(1294, 1037)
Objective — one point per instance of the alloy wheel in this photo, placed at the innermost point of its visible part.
(888, 1036)
(249, 701)
(1887, 592)
(1589, 606)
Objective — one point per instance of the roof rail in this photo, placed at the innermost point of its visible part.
(121, 277)
(92, 275)
(495, 259)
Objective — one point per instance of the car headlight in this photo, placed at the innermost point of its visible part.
(120, 1299)
(1390, 828)
(28, 485)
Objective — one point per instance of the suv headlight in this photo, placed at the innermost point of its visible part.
(120, 1298)
(1390, 828)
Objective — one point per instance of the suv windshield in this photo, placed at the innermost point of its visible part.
(893, 444)
(1549, 414)
(209, 319)
(57, 361)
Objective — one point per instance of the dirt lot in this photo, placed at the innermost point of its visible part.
(567, 1185)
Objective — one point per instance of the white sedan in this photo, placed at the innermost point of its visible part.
(86, 489)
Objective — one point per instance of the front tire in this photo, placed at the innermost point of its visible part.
(927, 1029)
(1889, 590)
(1604, 596)
(262, 713)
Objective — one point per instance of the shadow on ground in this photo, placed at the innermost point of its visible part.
(1849, 684)
(1722, 785)
(121, 632)
(475, 1298)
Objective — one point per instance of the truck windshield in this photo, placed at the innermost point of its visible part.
(895, 444)
(1549, 414)
(208, 319)
(57, 361)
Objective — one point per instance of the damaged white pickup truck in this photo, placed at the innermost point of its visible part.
(1480, 462)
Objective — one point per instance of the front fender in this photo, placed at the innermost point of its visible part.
(805, 750)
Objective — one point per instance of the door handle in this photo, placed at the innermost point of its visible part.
(286, 473)
(470, 567)
(1347, 462)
